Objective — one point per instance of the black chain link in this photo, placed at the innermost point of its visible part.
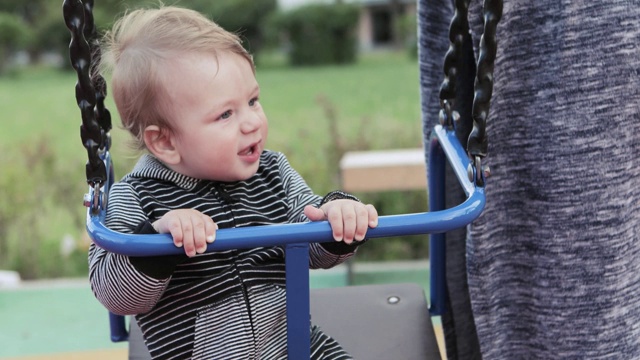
(477, 142)
(458, 28)
(90, 90)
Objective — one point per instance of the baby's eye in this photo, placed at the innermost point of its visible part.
(253, 101)
(225, 115)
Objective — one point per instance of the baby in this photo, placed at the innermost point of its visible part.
(186, 90)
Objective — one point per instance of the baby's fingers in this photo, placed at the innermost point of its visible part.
(314, 213)
(210, 229)
(350, 222)
(208, 235)
(191, 230)
(335, 218)
(361, 223)
(373, 215)
(203, 233)
(174, 227)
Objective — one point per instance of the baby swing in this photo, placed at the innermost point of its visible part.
(373, 333)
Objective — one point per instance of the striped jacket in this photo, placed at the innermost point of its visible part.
(219, 305)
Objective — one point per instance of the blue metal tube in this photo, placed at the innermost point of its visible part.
(437, 246)
(118, 328)
(458, 160)
(298, 307)
(283, 234)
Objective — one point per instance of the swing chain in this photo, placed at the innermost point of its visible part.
(458, 28)
(447, 115)
(477, 142)
(90, 90)
(94, 199)
(475, 175)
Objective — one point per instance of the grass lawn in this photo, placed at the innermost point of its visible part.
(376, 100)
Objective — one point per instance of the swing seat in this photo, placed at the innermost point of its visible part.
(393, 322)
(371, 322)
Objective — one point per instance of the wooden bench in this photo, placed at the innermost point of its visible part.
(383, 170)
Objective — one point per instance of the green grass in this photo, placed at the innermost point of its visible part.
(375, 105)
(40, 101)
(381, 92)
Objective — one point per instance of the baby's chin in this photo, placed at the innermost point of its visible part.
(238, 177)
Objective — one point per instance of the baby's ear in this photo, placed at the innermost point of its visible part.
(160, 143)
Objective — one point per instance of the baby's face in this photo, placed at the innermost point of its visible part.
(219, 126)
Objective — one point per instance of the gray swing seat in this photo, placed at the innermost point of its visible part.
(371, 322)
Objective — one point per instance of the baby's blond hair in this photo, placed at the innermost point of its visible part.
(140, 45)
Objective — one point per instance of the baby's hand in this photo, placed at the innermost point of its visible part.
(349, 219)
(189, 228)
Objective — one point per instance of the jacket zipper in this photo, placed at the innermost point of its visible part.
(224, 194)
(245, 295)
(228, 200)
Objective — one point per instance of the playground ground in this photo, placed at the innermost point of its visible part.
(60, 319)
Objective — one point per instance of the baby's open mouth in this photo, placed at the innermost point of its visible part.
(248, 151)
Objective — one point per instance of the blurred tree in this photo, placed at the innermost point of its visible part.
(247, 18)
(30, 10)
(44, 29)
(13, 34)
(43, 24)
(321, 33)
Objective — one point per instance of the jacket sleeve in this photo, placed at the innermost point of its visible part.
(119, 285)
(299, 194)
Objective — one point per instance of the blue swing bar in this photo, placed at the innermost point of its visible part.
(296, 238)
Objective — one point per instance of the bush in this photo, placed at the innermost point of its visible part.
(243, 17)
(321, 34)
(388, 202)
(14, 34)
(49, 35)
(41, 216)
